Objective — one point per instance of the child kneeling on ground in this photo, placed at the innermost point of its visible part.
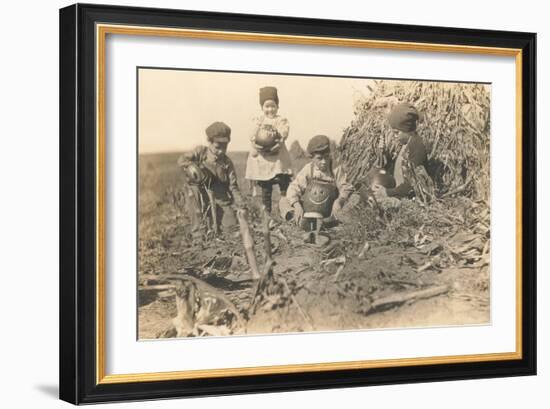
(319, 191)
(211, 176)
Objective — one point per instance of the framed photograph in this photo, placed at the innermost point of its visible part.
(257, 203)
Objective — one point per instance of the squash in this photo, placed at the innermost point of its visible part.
(266, 138)
(377, 176)
(196, 174)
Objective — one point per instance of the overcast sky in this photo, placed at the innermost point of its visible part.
(175, 106)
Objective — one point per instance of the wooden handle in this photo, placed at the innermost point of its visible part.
(403, 297)
(248, 242)
(267, 235)
(213, 210)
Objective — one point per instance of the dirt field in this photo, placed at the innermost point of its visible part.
(423, 266)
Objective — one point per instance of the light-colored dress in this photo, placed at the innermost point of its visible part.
(266, 167)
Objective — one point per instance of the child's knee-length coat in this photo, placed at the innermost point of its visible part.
(267, 166)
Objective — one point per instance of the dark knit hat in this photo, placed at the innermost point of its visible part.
(317, 144)
(403, 117)
(218, 132)
(267, 93)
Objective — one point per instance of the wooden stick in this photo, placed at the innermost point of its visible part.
(280, 235)
(338, 272)
(248, 242)
(305, 316)
(380, 211)
(195, 206)
(158, 287)
(213, 210)
(364, 250)
(267, 236)
(458, 189)
(403, 297)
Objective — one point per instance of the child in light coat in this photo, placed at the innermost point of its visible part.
(268, 163)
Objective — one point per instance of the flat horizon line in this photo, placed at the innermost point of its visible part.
(182, 151)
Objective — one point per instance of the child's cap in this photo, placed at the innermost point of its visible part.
(318, 144)
(267, 93)
(403, 117)
(218, 132)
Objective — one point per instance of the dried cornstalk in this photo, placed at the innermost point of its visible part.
(455, 128)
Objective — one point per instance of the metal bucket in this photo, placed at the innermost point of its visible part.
(319, 197)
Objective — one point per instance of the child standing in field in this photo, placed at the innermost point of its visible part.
(268, 163)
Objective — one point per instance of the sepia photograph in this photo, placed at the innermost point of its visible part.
(253, 203)
(285, 203)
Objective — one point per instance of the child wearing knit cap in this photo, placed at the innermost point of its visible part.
(409, 166)
(268, 163)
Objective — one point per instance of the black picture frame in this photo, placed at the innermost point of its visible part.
(78, 236)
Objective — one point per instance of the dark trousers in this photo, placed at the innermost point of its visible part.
(267, 188)
(198, 208)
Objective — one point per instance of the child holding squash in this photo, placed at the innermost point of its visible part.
(268, 163)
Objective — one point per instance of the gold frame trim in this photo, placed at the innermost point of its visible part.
(101, 33)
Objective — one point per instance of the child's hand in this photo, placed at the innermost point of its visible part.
(253, 153)
(379, 191)
(275, 147)
(336, 207)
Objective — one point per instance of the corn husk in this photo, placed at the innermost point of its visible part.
(454, 124)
